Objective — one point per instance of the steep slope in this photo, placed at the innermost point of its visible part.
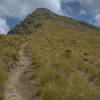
(65, 61)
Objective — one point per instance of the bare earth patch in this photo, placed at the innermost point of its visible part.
(12, 91)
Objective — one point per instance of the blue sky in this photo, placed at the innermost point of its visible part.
(12, 22)
(76, 11)
(14, 11)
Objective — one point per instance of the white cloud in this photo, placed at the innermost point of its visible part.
(97, 19)
(82, 12)
(20, 8)
(88, 4)
(4, 28)
(91, 4)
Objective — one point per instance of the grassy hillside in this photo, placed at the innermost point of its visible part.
(67, 63)
(65, 54)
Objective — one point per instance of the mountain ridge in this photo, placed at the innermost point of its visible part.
(42, 14)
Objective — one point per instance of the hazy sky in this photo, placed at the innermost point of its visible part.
(13, 11)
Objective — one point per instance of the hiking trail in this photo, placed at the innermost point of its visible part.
(11, 89)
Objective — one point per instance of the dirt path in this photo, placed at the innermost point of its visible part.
(11, 89)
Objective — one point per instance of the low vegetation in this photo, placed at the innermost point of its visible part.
(66, 65)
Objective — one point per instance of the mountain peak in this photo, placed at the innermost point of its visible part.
(43, 11)
(33, 20)
(44, 17)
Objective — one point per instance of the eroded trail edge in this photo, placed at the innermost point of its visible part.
(11, 89)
